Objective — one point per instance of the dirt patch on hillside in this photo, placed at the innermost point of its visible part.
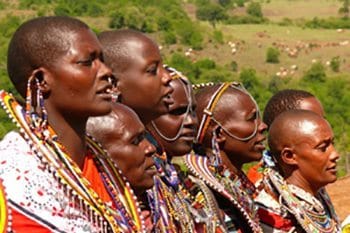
(340, 195)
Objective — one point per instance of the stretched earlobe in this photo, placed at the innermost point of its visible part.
(42, 77)
(220, 137)
(35, 111)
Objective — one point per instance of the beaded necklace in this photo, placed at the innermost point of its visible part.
(203, 205)
(174, 205)
(169, 208)
(123, 197)
(233, 187)
(164, 168)
(57, 162)
(319, 218)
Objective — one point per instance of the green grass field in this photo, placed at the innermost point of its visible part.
(276, 10)
(252, 42)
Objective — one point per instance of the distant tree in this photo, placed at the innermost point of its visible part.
(211, 12)
(344, 9)
(254, 9)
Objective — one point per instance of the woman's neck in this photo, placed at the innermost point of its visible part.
(225, 161)
(298, 180)
(71, 134)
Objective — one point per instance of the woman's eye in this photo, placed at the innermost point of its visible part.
(138, 139)
(253, 116)
(152, 70)
(323, 148)
(87, 62)
(178, 111)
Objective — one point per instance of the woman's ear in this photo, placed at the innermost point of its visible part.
(44, 80)
(288, 156)
(220, 137)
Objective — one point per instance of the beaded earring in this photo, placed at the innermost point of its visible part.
(215, 160)
(35, 112)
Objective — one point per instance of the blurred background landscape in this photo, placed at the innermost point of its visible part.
(267, 45)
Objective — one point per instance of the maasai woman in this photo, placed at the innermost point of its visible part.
(292, 198)
(174, 133)
(56, 179)
(123, 135)
(283, 100)
(230, 134)
(143, 83)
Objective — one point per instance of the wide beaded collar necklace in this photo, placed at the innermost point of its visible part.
(230, 186)
(312, 215)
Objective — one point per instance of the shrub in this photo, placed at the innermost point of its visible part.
(286, 22)
(189, 34)
(245, 19)
(61, 11)
(330, 23)
(225, 3)
(239, 3)
(213, 76)
(169, 38)
(164, 24)
(117, 21)
(234, 66)
(335, 63)
(205, 64)
(248, 78)
(316, 73)
(254, 9)
(181, 62)
(130, 17)
(272, 55)
(78, 8)
(218, 37)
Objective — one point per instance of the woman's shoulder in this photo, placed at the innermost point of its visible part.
(13, 143)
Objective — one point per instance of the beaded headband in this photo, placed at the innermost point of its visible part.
(209, 110)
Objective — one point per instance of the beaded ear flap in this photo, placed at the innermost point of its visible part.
(35, 112)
